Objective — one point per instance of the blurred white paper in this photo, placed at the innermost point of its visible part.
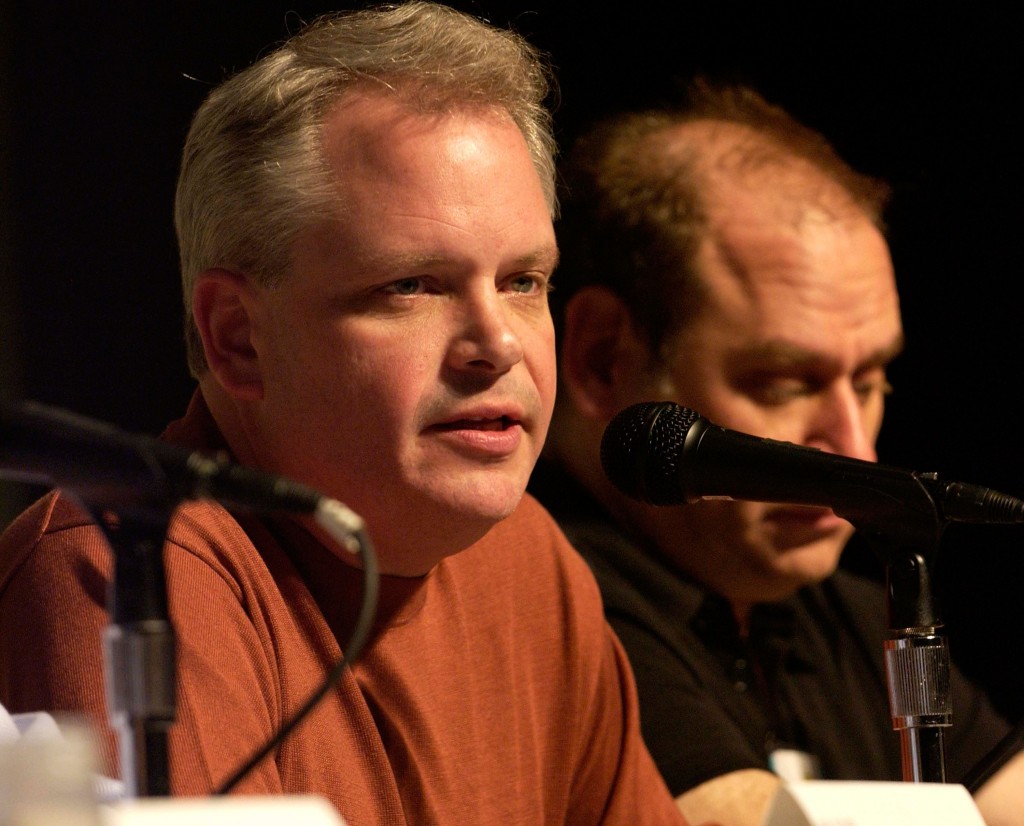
(237, 810)
(46, 774)
(864, 803)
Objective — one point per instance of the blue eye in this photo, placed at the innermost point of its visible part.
(406, 286)
(527, 283)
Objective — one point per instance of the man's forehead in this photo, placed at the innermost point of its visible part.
(782, 318)
(731, 154)
(374, 115)
(784, 335)
(784, 196)
(810, 248)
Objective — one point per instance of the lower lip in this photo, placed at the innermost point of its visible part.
(489, 443)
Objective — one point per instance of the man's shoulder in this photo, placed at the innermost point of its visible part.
(54, 511)
(53, 518)
(57, 531)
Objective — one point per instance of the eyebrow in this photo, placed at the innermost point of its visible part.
(784, 354)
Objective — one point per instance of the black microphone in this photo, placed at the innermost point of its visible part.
(106, 467)
(664, 454)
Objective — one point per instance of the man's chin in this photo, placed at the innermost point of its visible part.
(489, 495)
(485, 515)
(811, 562)
(475, 513)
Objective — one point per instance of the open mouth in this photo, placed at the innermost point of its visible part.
(504, 423)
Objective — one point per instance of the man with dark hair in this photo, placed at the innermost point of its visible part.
(723, 257)
(365, 224)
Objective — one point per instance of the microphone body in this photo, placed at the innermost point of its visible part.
(664, 454)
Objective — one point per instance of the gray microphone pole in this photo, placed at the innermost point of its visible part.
(917, 649)
(916, 663)
(139, 647)
(115, 477)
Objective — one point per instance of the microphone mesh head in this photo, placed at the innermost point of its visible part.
(641, 449)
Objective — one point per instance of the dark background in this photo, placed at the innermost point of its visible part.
(95, 100)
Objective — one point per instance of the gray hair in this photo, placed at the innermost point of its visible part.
(253, 172)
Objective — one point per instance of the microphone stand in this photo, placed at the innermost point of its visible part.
(917, 669)
(139, 648)
(917, 650)
(132, 485)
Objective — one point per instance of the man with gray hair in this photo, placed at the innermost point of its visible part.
(365, 225)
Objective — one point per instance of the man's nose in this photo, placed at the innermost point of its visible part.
(841, 424)
(485, 338)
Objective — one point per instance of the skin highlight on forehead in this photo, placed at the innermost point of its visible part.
(784, 225)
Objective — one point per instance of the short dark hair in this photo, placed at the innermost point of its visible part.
(634, 197)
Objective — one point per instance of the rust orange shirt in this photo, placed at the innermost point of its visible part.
(493, 691)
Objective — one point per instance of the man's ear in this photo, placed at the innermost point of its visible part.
(603, 360)
(222, 306)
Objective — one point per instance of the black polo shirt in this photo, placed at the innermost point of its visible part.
(810, 675)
